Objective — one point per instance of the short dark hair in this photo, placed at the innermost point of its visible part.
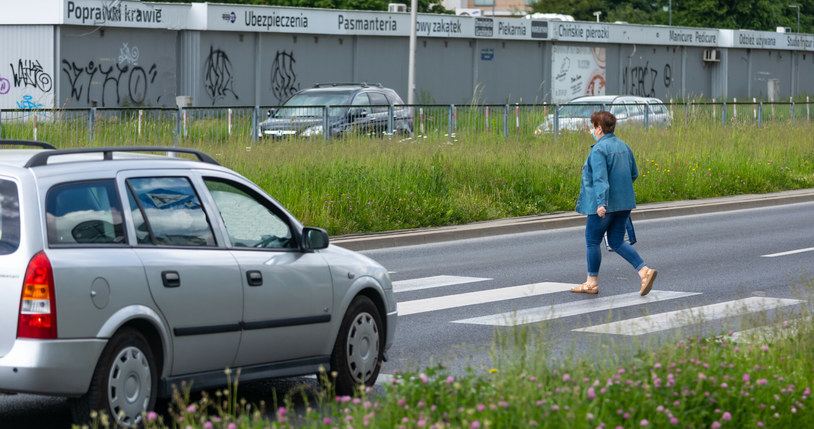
(604, 120)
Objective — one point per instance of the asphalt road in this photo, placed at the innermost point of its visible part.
(711, 265)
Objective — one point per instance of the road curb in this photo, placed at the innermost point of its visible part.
(557, 220)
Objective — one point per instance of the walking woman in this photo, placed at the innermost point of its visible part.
(606, 196)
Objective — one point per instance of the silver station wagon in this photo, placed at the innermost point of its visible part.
(128, 270)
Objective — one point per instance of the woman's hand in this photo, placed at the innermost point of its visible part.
(601, 211)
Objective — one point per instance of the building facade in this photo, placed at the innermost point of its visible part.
(79, 53)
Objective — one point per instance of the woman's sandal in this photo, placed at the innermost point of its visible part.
(647, 281)
(586, 288)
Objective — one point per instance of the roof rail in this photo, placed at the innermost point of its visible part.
(32, 143)
(42, 157)
(362, 84)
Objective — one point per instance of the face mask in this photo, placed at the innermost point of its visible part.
(594, 134)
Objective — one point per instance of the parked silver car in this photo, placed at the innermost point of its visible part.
(125, 272)
(576, 114)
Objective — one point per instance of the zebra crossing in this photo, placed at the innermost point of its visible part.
(650, 323)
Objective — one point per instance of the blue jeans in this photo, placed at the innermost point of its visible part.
(614, 224)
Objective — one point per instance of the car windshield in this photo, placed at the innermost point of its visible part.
(291, 109)
(579, 110)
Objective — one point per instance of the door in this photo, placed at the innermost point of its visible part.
(288, 292)
(195, 284)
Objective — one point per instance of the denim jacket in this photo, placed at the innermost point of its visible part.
(607, 177)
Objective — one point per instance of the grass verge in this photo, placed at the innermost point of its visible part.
(729, 380)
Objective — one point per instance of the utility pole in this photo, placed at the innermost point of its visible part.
(797, 6)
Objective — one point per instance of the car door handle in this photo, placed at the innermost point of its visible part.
(171, 278)
(254, 278)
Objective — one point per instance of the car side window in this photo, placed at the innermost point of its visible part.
(619, 111)
(658, 108)
(249, 222)
(170, 212)
(362, 100)
(635, 109)
(9, 217)
(84, 213)
(379, 102)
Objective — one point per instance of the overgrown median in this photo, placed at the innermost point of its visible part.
(373, 185)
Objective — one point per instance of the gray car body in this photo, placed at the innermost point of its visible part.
(99, 290)
(627, 109)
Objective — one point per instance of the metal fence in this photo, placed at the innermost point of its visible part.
(167, 126)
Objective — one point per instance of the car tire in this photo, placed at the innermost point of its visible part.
(357, 354)
(124, 384)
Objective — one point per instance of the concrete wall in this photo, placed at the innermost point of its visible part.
(116, 67)
(242, 55)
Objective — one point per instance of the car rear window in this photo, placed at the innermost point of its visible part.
(82, 213)
(9, 217)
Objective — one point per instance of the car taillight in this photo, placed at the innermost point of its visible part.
(38, 317)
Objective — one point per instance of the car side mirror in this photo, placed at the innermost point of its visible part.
(314, 238)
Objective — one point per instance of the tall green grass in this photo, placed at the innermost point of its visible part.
(355, 186)
(362, 184)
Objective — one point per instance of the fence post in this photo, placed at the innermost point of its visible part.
(646, 116)
(229, 123)
(506, 121)
(1, 123)
(91, 120)
(36, 125)
(715, 109)
(255, 123)
(517, 119)
(177, 125)
(760, 114)
(754, 108)
(140, 120)
(556, 119)
(390, 120)
(449, 121)
(487, 119)
(421, 119)
(791, 99)
(325, 127)
(808, 112)
(735, 109)
(184, 122)
(454, 120)
(723, 112)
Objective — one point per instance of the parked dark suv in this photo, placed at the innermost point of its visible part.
(354, 107)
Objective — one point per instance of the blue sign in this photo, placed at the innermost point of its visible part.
(487, 54)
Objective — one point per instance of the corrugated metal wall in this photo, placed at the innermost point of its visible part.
(27, 78)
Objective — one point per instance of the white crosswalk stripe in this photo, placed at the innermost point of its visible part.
(539, 314)
(679, 318)
(480, 297)
(433, 282)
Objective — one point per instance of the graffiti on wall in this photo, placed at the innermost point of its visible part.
(128, 55)
(5, 85)
(30, 73)
(283, 78)
(218, 77)
(28, 103)
(643, 80)
(132, 82)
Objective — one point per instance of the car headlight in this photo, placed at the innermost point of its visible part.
(312, 131)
